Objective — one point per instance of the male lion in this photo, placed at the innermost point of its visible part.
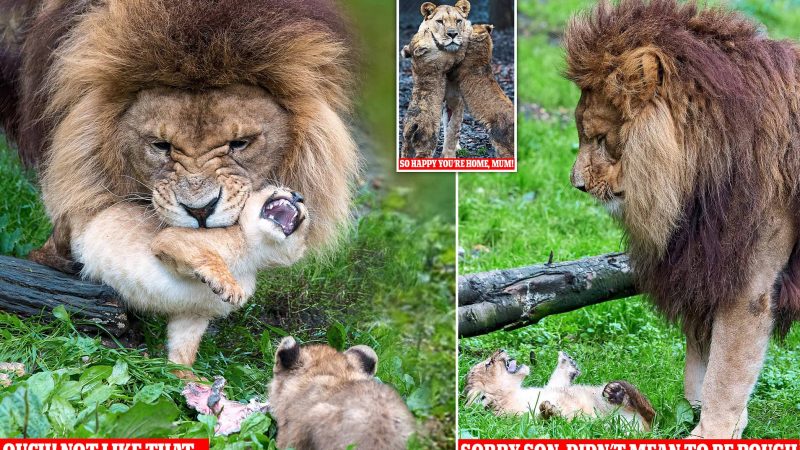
(183, 107)
(497, 383)
(325, 399)
(689, 133)
(444, 32)
(484, 97)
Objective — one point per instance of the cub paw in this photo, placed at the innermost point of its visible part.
(547, 410)
(223, 284)
(616, 394)
(571, 366)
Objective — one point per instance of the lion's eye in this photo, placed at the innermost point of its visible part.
(441, 21)
(459, 21)
(238, 145)
(162, 146)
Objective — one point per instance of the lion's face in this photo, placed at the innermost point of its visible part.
(201, 153)
(498, 373)
(598, 169)
(448, 25)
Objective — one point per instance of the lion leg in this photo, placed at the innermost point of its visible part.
(452, 118)
(184, 334)
(739, 340)
(695, 370)
(565, 372)
(203, 254)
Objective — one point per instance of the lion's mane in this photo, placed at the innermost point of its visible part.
(728, 100)
(83, 62)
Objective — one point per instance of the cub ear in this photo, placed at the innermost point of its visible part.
(488, 28)
(363, 357)
(427, 9)
(640, 75)
(288, 354)
(405, 52)
(464, 6)
(420, 50)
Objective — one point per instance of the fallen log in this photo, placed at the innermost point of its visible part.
(30, 289)
(514, 298)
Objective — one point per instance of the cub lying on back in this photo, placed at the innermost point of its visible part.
(483, 96)
(192, 275)
(325, 399)
(497, 383)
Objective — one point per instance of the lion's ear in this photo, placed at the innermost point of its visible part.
(427, 9)
(405, 52)
(420, 50)
(488, 28)
(640, 75)
(288, 354)
(464, 6)
(364, 358)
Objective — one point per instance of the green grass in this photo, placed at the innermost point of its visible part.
(509, 220)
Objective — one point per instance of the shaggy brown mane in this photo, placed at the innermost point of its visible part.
(733, 96)
(86, 60)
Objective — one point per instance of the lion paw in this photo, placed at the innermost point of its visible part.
(566, 361)
(548, 410)
(616, 394)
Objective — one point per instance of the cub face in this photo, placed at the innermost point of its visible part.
(200, 154)
(296, 365)
(448, 25)
(498, 372)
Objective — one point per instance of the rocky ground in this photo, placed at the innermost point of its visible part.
(475, 142)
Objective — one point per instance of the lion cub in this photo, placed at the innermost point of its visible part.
(434, 52)
(497, 383)
(484, 97)
(192, 275)
(325, 399)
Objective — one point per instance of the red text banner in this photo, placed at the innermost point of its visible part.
(103, 444)
(625, 444)
(457, 164)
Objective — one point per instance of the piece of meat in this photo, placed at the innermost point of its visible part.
(211, 400)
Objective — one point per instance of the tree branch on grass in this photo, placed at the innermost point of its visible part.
(29, 289)
(513, 298)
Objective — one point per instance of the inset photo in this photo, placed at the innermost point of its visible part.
(456, 85)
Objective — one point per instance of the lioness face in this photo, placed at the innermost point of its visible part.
(448, 25)
(597, 169)
(493, 375)
(199, 153)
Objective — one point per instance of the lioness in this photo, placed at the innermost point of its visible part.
(325, 399)
(444, 31)
(497, 383)
(688, 132)
(483, 96)
(192, 275)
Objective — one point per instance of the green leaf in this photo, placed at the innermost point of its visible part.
(99, 395)
(145, 420)
(684, 415)
(336, 336)
(62, 415)
(265, 345)
(41, 384)
(119, 374)
(61, 313)
(420, 399)
(256, 423)
(94, 376)
(149, 393)
(210, 421)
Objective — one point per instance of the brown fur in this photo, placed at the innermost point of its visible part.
(497, 383)
(85, 62)
(325, 399)
(689, 131)
(483, 96)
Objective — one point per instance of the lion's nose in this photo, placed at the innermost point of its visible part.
(202, 213)
(297, 197)
(452, 33)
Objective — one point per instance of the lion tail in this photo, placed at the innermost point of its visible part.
(787, 297)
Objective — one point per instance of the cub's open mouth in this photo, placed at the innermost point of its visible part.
(284, 212)
(511, 366)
